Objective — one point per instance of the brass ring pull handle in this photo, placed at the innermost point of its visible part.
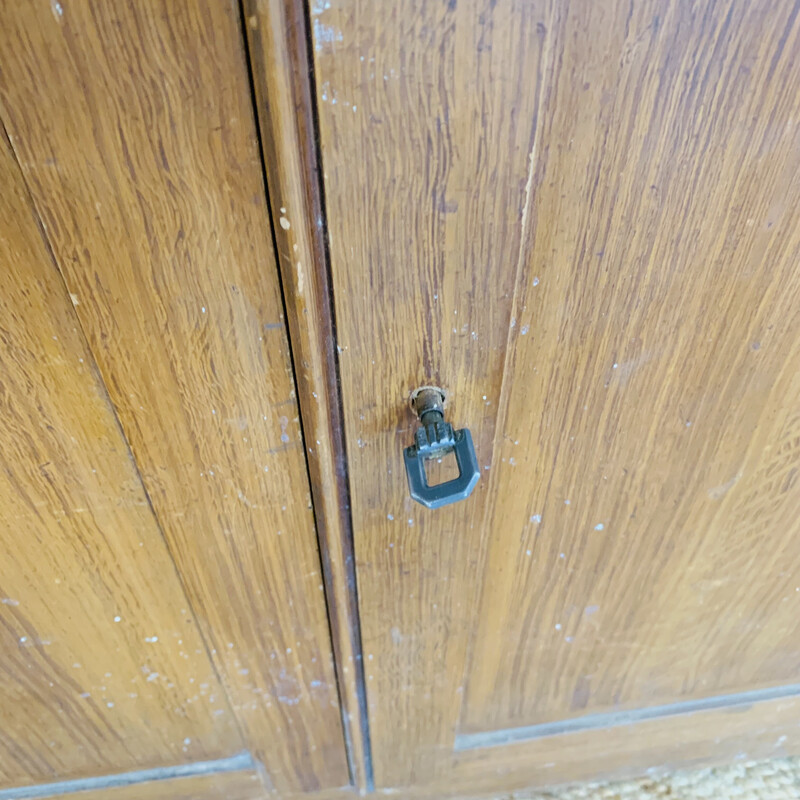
(434, 439)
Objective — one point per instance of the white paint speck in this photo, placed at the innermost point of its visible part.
(599, 526)
(390, 516)
(117, 618)
(285, 224)
(525, 329)
(203, 309)
(325, 35)
(528, 552)
(558, 626)
(9, 601)
(536, 518)
(615, 365)
(23, 639)
(58, 10)
(535, 281)
(151, 639)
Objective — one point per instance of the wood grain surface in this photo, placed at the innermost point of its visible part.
(581, 219)
(86, 580)
(658, 388)
(134, 127)
(721, 736)
(427, 114)
(245, 785)
(277, 34)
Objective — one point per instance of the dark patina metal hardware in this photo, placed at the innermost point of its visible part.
(434, 439)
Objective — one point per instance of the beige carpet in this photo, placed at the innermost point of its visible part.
(777, 779)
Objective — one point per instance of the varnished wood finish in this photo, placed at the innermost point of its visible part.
(762, 730)
(658, 390)
(86, 580)
(133, 123)
(766, 729)
(277, 35)
(582, 220)
(427, 114)
(225, 786)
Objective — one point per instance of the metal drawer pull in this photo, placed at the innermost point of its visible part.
(434, 439)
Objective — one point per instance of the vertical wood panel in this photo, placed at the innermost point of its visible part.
(581, 219)
(86, 580)
(133, 123)
(277, 33)
(427, 115)
(653, 410)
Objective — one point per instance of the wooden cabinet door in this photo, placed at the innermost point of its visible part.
(162, 598)
(100, 653)
(582, 219)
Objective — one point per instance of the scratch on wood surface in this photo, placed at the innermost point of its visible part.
(544, 70)
(503, 402)
(718, 492)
